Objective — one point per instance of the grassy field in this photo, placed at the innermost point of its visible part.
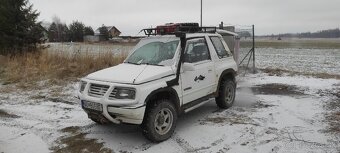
(63, 61)
(54, 66)
(293, 43)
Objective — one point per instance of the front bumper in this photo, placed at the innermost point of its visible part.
(127, 115)
(117, 115)
(116, 111)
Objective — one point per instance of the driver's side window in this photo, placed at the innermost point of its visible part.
(196, 50)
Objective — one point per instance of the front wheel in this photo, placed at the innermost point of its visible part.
(226, 96)
(160, 121)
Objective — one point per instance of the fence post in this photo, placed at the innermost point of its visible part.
(237, 50)
(254, 50)
(221, 26)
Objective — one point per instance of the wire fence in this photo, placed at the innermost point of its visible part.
(246, 49)
(244, 46)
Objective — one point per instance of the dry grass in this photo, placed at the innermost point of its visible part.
(55, 67)
(280, 72)
(3, 61)
(333, 122)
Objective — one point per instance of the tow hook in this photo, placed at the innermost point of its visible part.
(104, 120)
(98, 117)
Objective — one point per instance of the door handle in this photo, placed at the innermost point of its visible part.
(199, 78)
(210, 69)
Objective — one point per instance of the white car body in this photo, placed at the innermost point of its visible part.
(146, 79)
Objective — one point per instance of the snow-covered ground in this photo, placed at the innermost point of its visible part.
(270, 114)
(297, 59)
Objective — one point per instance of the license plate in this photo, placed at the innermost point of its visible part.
(92, 105)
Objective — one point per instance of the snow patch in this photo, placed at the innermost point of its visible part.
(15, 140)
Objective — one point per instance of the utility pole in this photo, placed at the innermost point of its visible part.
(201, 12)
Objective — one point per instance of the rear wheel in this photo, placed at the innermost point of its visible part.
(160, 121)
(227, 92)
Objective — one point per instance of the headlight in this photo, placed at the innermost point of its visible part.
(123, 93)
(82, 85)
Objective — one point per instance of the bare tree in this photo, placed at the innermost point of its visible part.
(59, 26)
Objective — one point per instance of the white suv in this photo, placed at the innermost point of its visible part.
(166, 74)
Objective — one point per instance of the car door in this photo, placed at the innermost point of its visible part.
(199, 81)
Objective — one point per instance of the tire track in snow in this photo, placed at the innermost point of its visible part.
(182, 143)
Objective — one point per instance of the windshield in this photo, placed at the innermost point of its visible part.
(154, 52)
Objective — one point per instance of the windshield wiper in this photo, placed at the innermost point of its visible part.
(132, 63)
(152, 64)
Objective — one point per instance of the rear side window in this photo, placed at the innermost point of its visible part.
(196, 51)
(219, 47)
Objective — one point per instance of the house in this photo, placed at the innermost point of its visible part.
(113, 31)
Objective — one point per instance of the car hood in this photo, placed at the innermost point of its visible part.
(131, 74)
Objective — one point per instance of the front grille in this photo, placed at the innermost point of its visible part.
(97, 90)
(113, 94)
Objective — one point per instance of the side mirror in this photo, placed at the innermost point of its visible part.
(188, 67)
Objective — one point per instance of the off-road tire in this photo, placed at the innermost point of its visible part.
(149, 122)
(227, 88)
(96, 121)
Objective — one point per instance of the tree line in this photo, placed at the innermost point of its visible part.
(60, 32)
(20, 30)
(75, 32)
(330, 33)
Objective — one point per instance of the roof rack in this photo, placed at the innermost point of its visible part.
(172, 29)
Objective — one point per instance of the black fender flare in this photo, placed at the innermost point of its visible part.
(230, 71)
(169, 90)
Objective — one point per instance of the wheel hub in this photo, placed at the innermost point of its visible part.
(229, 95)
(163, 121)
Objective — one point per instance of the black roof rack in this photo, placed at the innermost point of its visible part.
(172, 29)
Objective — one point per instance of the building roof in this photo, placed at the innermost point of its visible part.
(97, 32)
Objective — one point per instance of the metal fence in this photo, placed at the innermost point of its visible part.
(242, 46)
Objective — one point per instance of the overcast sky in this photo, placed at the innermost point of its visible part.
(129, 16)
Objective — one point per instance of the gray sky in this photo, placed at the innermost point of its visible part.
(268, 16)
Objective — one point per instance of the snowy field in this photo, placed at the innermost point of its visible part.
(90, 49)
(283, 113)
(271, 114)
(296, 59)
